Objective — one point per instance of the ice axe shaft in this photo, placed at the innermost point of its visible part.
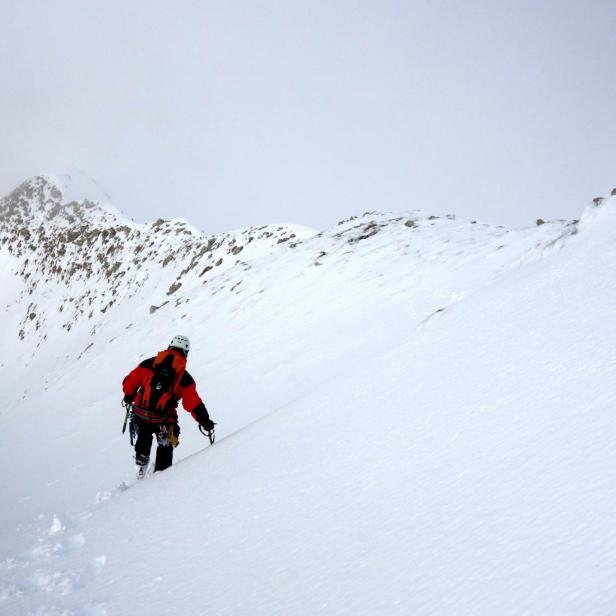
(129, 408)
(125, 421)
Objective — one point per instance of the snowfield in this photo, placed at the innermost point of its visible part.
(414, 415)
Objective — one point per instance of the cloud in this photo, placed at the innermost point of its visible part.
(236, 113)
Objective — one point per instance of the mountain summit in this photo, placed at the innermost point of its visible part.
(53, 201)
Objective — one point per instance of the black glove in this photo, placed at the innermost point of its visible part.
(128, 400)
(207, 424)
(203, 417)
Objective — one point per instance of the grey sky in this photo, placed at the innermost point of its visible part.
(235, 113)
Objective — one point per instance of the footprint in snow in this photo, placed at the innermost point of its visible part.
(40, 569)
(62, 582)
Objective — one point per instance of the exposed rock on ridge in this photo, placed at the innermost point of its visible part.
(98, 257)
(77, 259)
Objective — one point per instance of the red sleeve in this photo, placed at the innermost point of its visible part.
(191, 399)
(131, 383)
(188, 392)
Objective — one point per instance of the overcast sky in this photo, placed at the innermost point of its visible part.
(234, 113)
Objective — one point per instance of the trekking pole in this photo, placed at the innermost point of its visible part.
(209, 433)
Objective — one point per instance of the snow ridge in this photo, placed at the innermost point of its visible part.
(94, 258)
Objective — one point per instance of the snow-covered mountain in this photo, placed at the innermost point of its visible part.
(413, 414)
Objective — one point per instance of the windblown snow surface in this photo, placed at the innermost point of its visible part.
(415, 415)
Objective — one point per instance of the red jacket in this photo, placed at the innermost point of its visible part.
(137, 383)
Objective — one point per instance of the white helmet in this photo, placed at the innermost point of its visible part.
(180, 342)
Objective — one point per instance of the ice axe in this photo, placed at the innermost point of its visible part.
(209, 433)
(127, 419)
(128, 410)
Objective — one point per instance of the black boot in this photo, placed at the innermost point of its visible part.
(142, 448)
(142, 465)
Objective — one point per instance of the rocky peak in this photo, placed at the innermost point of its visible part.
(44, 200)
(93, 257)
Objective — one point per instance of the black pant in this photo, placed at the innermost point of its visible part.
(143, 445)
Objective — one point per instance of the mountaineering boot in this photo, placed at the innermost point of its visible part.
(142, 465)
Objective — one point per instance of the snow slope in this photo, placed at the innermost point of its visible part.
(413, 415)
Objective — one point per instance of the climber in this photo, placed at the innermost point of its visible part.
(151, 394)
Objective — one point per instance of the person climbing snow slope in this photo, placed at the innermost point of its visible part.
(152, 390)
